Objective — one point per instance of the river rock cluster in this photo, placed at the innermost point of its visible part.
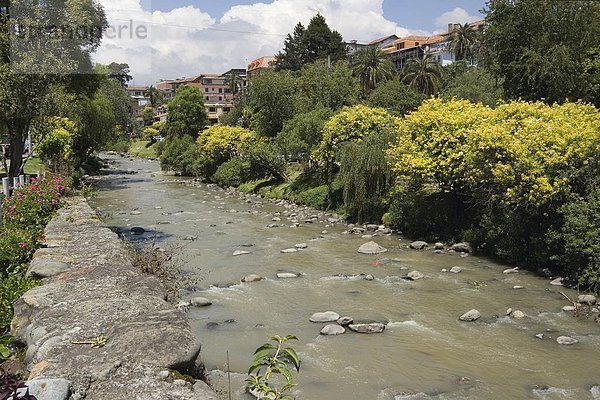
(343, 323)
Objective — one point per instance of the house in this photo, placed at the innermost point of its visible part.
(384, 41)
(137, 96)
(216, 88)
(258, 65)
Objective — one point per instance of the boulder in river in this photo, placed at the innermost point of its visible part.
(470, 316)
(557, 282)
(375, 327)
(456, 270)
(586, 299)
(137, 230)
(566, 340)
(333, 330)
(252, 278)
(419, 245)
(517, 314)
(289, 251)
(200, 302)
(371, 248)
(345, 321)
(301, 246)
(569, 308)
(415, 275)
(327, 316)
(511, 271)
(463, 247)
(240, 253)
(49, 389)
(439, 246)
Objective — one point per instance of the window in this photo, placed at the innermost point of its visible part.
(226, 109)
(206, 97)
(400, 46)
(220, 98)
(205, 90)
(220, 90)
(416, 43)
(212, 110)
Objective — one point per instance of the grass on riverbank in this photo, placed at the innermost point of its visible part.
(141, 148)
(32, 166)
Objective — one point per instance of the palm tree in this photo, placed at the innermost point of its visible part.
(372, 66)
(423, 74)
(463, 42)
(235, 84)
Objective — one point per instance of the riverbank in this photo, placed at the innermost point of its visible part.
(98, 328)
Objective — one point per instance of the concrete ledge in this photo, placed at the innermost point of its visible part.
(91, 288)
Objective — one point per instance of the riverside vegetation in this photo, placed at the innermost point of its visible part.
(518, 179)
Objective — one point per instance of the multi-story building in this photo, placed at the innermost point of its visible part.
(218, 90)
(137, 96)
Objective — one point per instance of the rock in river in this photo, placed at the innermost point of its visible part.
(327, 316)
(49, 389)
(287, 275)
(200, 302)
(375, 327)
(415, 275)
(288, 251)
(557, 282)
(462, 248)
(333, 330)
(371, 248)
(587, 299)
(301, 246)
(456, 270)
(240, 253)
(566, 340)
(137, 230)
(345, 321)
(252, 278)
(470, 316)
(419, 245)
(517, 314)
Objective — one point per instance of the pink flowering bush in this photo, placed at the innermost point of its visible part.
(31, 207)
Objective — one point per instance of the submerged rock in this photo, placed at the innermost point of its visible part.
(375, 327)
(371, 248)
(289, 251)
(566, 340)
(287, 275)
(415, 275)
(240, 253)
(327, 316)
(456, 270)
(511, 271)
(470, 316)
(200, 302)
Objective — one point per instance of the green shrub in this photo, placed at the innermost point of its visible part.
(580, 238)
(16, 249)
(315, 198)
(265, 160)
(120, 146)
(233, 173)
(11, 289)
(180, 155)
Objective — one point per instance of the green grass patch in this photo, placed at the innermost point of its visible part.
(143, 149)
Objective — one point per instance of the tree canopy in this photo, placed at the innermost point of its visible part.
(187, 114)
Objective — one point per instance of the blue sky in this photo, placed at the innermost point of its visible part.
(189, 37)
(414, 14)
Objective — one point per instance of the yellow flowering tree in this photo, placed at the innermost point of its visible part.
(219, 144)
(55, 143)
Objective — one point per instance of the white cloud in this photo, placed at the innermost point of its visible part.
(187, 41)
(456, 16)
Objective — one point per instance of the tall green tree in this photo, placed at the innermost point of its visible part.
(372, 66)
(120, 72)
(155, 96)
(321, 41)
(293, 55)
(32, 63)
(305, 46)
(187, 114)
(271, 101)
(333, 87)
(476, 85)
(538, 47)
(423, 74)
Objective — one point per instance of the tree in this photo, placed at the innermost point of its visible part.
(396, 97)
(187, 114)
(372, 66)
(41, 61)
(302, 133)
(148, 116)
(293, 55)
(463, 42)
(271, 101)
(321, 41)
(476, 85)
(538, 47)
(155, 96)
(423, 74)
(120, 72)
(305, 46)
(333, 87)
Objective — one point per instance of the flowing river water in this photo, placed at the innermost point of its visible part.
(425, 352)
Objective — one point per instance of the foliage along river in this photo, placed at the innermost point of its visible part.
(425, 351)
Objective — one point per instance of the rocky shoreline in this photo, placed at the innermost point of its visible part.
(98, 328)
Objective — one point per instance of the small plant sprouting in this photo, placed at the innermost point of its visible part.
(272, 360)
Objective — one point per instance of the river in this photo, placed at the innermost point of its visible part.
(425, 352)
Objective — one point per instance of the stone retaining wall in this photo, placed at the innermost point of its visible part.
(91, 288)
